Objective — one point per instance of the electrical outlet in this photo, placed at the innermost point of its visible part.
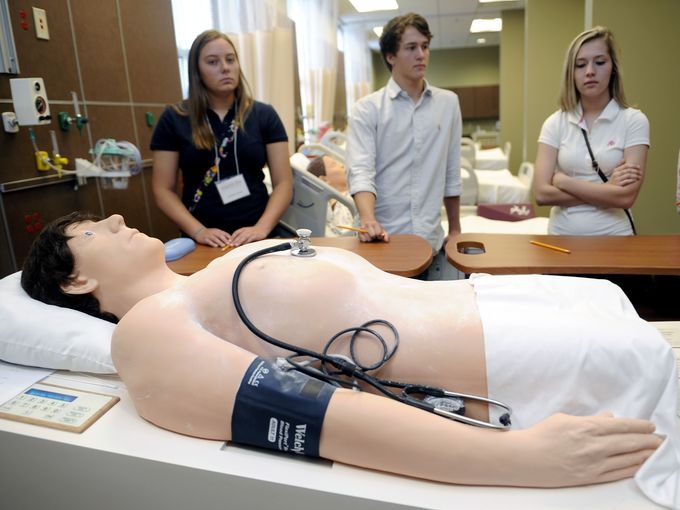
(40, 19)
(9, 122)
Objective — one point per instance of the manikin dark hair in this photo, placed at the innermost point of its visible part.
(50, 264)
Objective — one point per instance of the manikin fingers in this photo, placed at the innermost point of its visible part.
(624, 466)
(617, 444)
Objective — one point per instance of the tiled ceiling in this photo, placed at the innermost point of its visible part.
(449, 20)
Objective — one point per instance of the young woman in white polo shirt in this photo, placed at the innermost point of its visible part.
(592, 152)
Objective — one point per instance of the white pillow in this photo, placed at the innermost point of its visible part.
(36, 334)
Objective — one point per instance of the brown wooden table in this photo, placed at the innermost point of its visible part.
(404, 255)
(514, 254)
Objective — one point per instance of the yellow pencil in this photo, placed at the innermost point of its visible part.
(355, 229)
(550, 247)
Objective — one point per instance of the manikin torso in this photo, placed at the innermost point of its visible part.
(175, 350)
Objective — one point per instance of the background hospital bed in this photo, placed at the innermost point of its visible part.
(312, 198)
(122, 461)
(495, 186)
(336, 141)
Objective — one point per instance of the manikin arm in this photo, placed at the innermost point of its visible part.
(374, 432)
(183, 378)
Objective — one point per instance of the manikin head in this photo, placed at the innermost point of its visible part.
(80, 262)
(330, 171)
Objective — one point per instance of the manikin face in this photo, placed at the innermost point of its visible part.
(107, 249)
(410, 62)
(593, 69)
(336, 175)
(218, 67)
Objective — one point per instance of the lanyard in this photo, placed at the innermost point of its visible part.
(220, 153)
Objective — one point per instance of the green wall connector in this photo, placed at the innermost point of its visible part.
(64, 121)
(150, 119)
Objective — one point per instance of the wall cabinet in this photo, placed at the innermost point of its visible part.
(479, 102)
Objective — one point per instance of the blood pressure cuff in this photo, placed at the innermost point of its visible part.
(280, 410)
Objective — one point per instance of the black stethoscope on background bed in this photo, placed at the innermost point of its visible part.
(343, 371)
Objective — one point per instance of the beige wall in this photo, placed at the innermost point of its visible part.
(550, 26)
(512, 89)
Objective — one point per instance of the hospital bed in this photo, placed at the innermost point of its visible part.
(486, 138)
(495, 158)
(123, 461)
(314, 201)
(336, 141)
(502, 187)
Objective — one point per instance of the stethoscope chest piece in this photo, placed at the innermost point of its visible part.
(301, 247)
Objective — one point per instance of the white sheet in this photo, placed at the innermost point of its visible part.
(586, 351)
(500, 187)
(490, 159)
(479, 224)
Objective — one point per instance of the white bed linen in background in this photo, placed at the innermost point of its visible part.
(481, 225)
(585, 351)
(491, 159)
(500, 187)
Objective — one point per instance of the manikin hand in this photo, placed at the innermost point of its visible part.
(247, 235)
(212, 237)
(375, 231)
(625, 174)
(565, 450)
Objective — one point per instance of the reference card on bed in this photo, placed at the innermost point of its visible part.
(57, 407)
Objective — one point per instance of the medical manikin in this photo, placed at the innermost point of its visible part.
(593, 390)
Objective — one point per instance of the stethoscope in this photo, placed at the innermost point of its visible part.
(347, 371)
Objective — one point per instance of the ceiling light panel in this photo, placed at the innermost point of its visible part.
(374, 5)
(486, 25)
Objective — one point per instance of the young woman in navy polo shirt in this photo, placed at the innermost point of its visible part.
(220, 139)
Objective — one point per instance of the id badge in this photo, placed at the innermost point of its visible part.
(232, 189)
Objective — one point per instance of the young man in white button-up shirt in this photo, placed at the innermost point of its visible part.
(403, 150)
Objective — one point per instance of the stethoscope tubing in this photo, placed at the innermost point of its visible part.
(353, 370)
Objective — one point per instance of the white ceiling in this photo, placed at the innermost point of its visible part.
(449, 20)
